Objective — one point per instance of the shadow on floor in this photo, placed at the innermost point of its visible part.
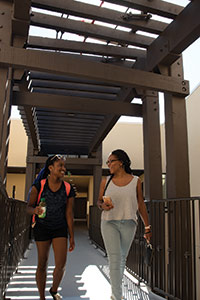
(86, 276)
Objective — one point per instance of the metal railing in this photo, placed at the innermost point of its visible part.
(175, 229)
(14, 236)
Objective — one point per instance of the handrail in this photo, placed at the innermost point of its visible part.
(15, 236)
(173, 271)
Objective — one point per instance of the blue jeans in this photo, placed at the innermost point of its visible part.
(118, 237)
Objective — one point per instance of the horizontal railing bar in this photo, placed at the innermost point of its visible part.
(165, 294)
(173, 199)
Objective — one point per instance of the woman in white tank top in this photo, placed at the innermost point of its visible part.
(120, 198)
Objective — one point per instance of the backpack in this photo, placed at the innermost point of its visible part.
(42, 182)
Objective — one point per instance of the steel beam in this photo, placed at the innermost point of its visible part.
(64, 64)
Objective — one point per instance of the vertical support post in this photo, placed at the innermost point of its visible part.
(153, 182)
(5, 109)
(30, 168)
(152, 146)
(5, 86)
(97, 174)
(181, 276)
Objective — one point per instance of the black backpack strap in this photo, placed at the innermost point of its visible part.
(107, 183)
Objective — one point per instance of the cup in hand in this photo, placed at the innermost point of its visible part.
(107, 200)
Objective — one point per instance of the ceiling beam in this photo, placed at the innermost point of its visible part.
(180, 34)
(90, 30)
(83, 10)
(71, 161)
(64, 64)
(76, 104)
(158, 7)
(80, 47)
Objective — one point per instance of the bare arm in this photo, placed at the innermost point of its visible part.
(70, 222)
(100, 202)
(31, 209)
(143, 210)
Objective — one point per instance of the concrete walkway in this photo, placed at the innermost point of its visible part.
(86, 277)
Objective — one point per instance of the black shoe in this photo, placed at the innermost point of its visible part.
(55, 295)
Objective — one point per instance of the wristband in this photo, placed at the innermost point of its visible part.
(147, 227)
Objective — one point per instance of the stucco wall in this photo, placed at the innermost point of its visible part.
(193, 120)
(129, 137)
(17, 144)
(17, 180)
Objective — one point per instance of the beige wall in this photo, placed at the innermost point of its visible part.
(19, 181)
(17, 158)
(193, 119)
(129, 137)
(193, 110)
(17, 144)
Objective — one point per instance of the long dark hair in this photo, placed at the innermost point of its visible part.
(124, 158)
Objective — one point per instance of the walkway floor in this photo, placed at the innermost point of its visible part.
(86, 276)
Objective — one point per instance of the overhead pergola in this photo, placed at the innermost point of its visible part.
(70, 89)
(73, 82)
(73, 68)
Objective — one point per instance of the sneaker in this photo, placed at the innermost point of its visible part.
(55, 295)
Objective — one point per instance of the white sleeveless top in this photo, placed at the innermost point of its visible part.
(124, 200)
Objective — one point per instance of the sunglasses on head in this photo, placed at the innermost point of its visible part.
(57, 157)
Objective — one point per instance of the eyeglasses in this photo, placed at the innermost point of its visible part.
(110, 161)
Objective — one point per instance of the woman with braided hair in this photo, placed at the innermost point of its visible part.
(54, 224)
(120, 198)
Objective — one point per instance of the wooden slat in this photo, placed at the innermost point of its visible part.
(83, 10)
(89, 48)
(76, 104)
(90, 30)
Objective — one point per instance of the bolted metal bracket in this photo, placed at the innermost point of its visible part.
(129, 16)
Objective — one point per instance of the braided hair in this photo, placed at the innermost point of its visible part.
(124, 158)
(50, 161)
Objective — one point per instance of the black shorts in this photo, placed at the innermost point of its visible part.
(42, 233)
